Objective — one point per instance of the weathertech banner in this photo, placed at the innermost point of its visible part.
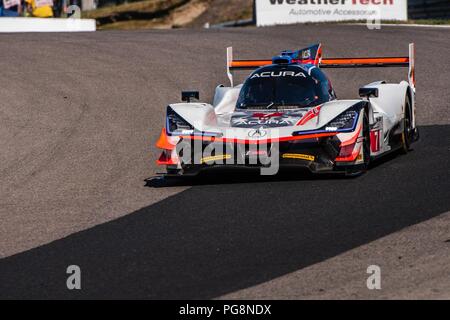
(272, 12)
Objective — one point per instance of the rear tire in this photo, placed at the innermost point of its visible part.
(366, 143)
(408, 132)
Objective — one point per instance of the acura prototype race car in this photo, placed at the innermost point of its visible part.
(286, 113)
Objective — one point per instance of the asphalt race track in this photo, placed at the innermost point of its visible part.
(79, 116)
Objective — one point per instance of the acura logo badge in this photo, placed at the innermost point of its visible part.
(257, 133)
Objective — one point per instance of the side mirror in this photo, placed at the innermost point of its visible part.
(368, 92)
(188, 95)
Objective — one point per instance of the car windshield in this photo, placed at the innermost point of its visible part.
(285, 88)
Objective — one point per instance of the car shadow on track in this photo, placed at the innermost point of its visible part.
(216, 176)
(224, 176)
(215, 239)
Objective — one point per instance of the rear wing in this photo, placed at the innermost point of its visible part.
(375, 62)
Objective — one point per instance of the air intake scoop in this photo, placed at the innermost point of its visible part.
(283, 59)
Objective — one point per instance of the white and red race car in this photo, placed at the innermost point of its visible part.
(286, 114)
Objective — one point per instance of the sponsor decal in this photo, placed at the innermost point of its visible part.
(306, 54)
(215, 158)
(257, 153)
(275, 74)
(298, 156)
(257, 133)
(272, 12)
(260, 119)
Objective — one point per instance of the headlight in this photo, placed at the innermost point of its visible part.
(344, 121)
(176, 124)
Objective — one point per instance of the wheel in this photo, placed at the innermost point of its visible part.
(408, 132)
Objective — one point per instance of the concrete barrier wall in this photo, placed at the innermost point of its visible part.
(46, 25)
